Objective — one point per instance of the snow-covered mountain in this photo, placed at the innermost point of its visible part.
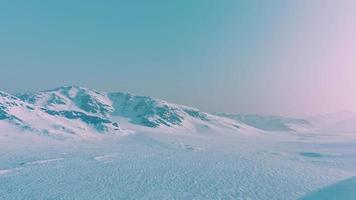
(140, 110)
(73, 111)
(52, 122)
(71, 98)
(76, 111)
(344, 121)
(339, 122)
(271, 123)
(151, 112)
(166, 137)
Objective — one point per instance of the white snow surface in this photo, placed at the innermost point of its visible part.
(123, 146)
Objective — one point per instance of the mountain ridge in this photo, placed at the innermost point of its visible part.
(270, 122)
(76, 110)
(71, 111)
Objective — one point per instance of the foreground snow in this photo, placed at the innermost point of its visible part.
(176, 166)
(342, 190)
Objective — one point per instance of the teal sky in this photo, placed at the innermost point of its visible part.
(271, 57)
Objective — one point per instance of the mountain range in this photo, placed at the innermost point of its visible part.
(78, 112)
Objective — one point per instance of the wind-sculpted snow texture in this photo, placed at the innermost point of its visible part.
(152, 165)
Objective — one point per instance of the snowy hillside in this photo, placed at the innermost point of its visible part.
(51, 122)
(149, 112)
(344, 121)
(72, 111)
(71, 98)
(169, 151)
(271, 123)
(76, 111)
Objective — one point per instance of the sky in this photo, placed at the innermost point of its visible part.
(291, 58)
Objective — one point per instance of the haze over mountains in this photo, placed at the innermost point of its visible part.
(72, 111)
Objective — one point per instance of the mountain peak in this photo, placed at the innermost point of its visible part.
(71, 89)
(70, 98)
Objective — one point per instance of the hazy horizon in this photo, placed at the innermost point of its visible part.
(294, 58)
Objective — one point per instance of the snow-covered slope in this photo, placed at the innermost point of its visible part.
(71, 98)
(153, 113)
(271, 123)
(52, 122)
(344, 121)
(78, 111)
(212, 157)
(339, 122)
(13, 109)
(139, 110)
(72, 111)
